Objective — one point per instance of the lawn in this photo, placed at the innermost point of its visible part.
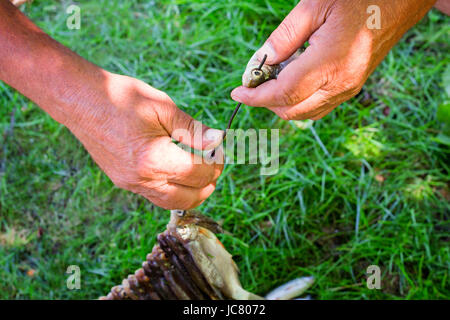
(366, 185)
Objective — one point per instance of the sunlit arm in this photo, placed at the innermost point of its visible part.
(52, 76)
(126, 125)
(347, 40)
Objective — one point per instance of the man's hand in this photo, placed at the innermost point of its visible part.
(129, 130)
(126, 125)
(343, 51)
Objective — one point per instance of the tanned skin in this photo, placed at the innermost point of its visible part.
(343, 52)
(127, 126)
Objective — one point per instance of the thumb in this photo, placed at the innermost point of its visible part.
(193, 133)
(293, 32)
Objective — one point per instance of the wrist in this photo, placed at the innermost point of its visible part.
(77, 92)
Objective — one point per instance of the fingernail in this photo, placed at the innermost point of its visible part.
(235, 94)
(213, 137)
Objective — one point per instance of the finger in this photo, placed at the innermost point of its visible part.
(172, 196)
(324, 113)
(176, 165)
(296, 82)
(293, 32)
(315, 105)
(183, 128)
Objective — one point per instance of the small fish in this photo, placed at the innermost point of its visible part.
(256, 73)
(292, 289)
(253, 76)
(189, 262)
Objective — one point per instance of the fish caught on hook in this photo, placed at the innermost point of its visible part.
(188, 262)
(255, 74)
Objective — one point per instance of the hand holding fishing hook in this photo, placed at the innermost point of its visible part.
(239, 104)
(256, 71)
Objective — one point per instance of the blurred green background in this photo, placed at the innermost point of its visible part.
(379, 194)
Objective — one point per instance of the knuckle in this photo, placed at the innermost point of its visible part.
(172, 198)
(186, 204)
(167, 201)
(342, 77)
(147, 166)
(299, 116)
(356, 90)
(193, 204)
(121, 183)
(167, 205)
(144, 169)
(190, 126)
(287, 32)
(354, 77)
(217, 171)
(317, 117)
(206, 178)
(352, 85)
(330, 73)
(288, 96)
(184, 131)
(204, 181)
(284, 116)
(345, 83)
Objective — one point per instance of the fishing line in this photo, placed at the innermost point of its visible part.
(239, 104)
(213, 153)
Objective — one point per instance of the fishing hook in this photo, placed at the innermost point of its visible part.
(213, 153)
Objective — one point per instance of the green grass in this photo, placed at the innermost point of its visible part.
(57, 208)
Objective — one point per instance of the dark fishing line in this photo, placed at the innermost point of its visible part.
(213, 153)
(239, 104)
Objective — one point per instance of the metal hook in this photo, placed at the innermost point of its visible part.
(213, 153)
(262, 62)
(239, 104)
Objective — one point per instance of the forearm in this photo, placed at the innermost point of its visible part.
(55, 78)
(126, 125)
